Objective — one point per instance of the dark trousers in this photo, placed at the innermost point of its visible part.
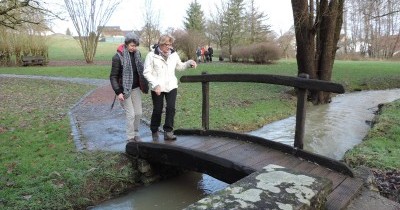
(158, 104)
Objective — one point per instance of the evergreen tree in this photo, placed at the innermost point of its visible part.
(195, 17)
(233, 23)
(68, 32)
(256, 29)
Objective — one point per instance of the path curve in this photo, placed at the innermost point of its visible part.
(95, 126)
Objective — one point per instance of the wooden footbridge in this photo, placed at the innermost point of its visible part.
(230, 156)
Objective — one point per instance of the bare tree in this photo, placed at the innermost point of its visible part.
(186, 42)
(22, 26)
(14, 13)
(89, 18)
(317, 27)
(151, 28)
(286, 43)
(214, 27)
(384, 28)
(373, 28)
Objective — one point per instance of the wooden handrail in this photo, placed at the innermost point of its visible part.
(297, 82)
(302, 83)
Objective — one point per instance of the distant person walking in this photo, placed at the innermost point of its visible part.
(159, 70)
(198, 54)
(202, 54)
(128, 83)
(210, 52)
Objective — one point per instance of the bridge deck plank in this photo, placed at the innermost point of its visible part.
(345, 192)
(222, 148)
(244, 152)
(257, 156)
(270, 157)
(305, 166)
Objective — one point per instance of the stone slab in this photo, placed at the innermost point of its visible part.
(274, 187)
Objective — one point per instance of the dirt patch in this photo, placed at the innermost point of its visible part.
(102, 95)
(388, 183)
(2, 129)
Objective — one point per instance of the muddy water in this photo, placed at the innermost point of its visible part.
(331, 130)
(176, 193)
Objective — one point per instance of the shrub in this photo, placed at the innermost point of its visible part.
(186, 43)
(265, 53)
(260, 53)
(350, 56)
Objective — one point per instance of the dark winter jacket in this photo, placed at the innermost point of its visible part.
(116, 72)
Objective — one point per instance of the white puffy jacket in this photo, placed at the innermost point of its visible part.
(159, 71)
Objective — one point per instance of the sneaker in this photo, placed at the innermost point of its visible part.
(154, 136)
(169, 136)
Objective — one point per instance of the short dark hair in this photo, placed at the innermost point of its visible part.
(131, 37)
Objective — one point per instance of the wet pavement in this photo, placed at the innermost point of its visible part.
(98, 127)
(95, 126)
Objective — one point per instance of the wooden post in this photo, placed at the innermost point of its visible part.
(300, 114)
(206, 104)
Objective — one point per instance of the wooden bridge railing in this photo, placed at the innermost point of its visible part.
(302, 83)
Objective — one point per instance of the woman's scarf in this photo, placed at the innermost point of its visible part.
(127, 71)
(164, 55)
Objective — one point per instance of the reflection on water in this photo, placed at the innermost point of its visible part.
(175, 193)
(334, 128)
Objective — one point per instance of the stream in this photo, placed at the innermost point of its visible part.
(330, 130)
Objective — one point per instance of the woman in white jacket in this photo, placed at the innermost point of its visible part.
(159, 70)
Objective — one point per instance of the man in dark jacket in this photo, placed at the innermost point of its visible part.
(128, 83)
(210, 53)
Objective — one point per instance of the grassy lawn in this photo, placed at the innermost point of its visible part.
(40, 168)
(381, 147)
(66, 48)
(38, 161)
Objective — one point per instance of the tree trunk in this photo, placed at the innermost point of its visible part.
(317, 36)
(305, 38)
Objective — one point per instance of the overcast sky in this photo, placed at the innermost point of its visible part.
(172, 13)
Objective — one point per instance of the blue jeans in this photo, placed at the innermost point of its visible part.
(158, 104)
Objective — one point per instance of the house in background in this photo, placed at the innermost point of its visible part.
(112, 34)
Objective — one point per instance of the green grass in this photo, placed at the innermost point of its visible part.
(241, 106)
(381, 148)
(41, 169)
(40, 166)
(67, 48)
(367, 75)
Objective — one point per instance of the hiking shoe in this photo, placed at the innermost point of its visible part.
(169, 136)
(135, 139)
(154, 136)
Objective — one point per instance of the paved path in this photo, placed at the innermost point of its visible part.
(97, 82)
(94, 125)
(98, 127)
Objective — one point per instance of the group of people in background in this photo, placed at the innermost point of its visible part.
(204, 54)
